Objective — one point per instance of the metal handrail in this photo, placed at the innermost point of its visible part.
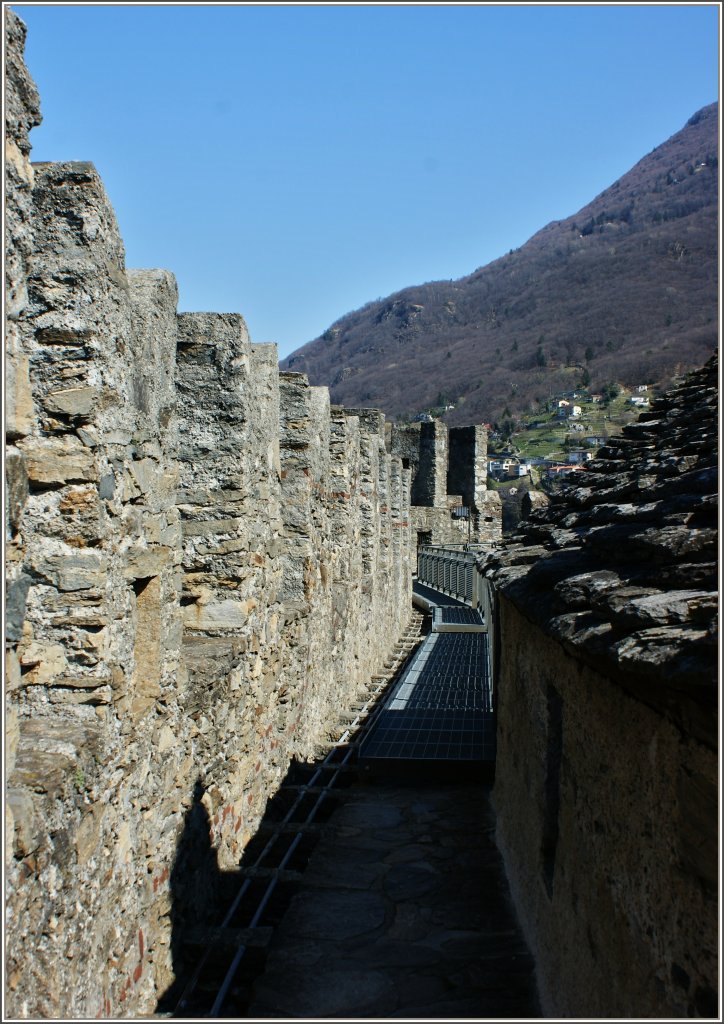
(453, 570)
(449, 570)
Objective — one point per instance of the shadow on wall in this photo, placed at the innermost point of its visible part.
(204, 944)
(196, 888)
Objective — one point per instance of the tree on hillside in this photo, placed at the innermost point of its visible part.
(609, 391)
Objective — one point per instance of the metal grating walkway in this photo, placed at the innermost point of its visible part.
(442, 707)
(457, 620)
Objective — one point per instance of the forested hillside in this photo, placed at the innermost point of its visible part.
(624, 290)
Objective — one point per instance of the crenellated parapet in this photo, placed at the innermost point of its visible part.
(205, 562)
(448, 469)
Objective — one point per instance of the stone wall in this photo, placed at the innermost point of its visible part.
(467, 464)
(607, 821)
(429, 486)
(448, 468)
(606, 773)
(205, 562)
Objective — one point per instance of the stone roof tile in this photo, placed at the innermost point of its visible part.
(621, 568)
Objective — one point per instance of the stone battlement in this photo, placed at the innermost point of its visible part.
(205, 562)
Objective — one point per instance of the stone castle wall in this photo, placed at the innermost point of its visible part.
(205, 562)
(607, 822)
(607, 695)
(204, 558)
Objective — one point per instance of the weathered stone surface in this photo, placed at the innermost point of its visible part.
(643, 565)
(75, 402)
(533, 500)
(20, 410)
(328, 993)
(26, 824)
(57, 460)
(148, 561)
(603, 904)
(448, 469)
(198, 576)
(15, 601)
(74, 570)
(22, 113)
(419, 963)
(333, 915)
(16, 479)
(410, 881)
(607, 721)
(46, 661)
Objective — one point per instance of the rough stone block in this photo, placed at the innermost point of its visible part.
(228, 614)
(25, 820)
(19, 406)
(146, 473)
(74, 402)
(57, 460)
(140, 563)
(106, 486)
(76, 570)
(46, 661)
(66, 695)
(210, 527)
(15, 603)
(16, 478)
(89, 833)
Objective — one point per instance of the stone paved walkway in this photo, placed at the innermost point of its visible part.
(403, 912)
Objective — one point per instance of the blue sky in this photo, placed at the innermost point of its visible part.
(292, 162)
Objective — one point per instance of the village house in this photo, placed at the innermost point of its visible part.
(566, 410)
(553, 472)
(502, 467)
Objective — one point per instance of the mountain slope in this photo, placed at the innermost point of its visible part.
(624, 290)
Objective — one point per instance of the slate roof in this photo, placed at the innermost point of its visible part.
(621, 567)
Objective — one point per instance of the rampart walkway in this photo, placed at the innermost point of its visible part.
(404, 909)
(441, 709)
(379, 892)
(403, 912)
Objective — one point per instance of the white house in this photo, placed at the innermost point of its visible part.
(555, 471)
(639, 402)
